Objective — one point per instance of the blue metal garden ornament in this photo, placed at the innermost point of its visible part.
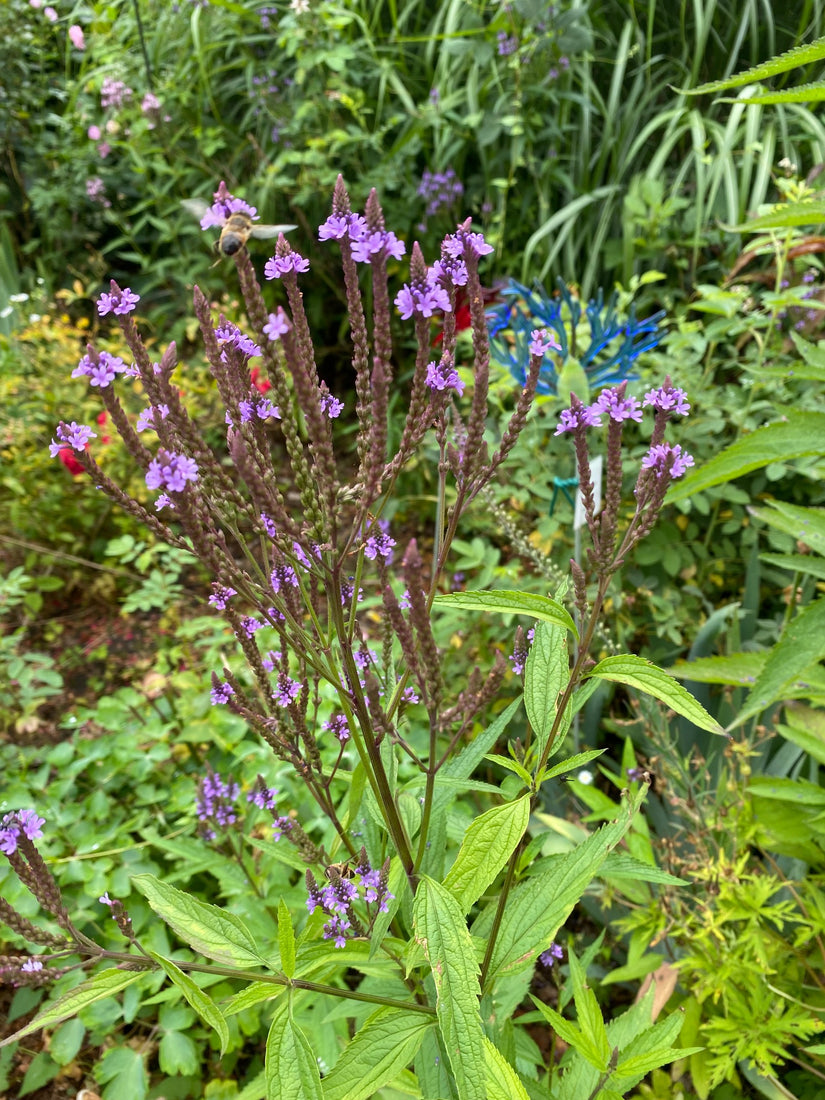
(615, 342)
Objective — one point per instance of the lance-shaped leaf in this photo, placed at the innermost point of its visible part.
(545, 675)
(503, 1082)
(539, 906)
(105, 984)
(291, 1070)
(792, 59)
(197, 998)
(636, 672)
(488, 844)
(205, 928)
(801, 645)
(387, 1042)
(505, 601)
(442, 933)
(798, 434)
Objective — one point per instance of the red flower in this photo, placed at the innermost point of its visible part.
(101, 419)
(261, 386)
(66, 456)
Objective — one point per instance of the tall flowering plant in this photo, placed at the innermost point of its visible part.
(361, 706)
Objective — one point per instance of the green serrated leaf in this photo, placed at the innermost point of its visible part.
(197, 998)
(503, 1082)
(801, 645)
(286, 939)
(514, 603)
(636, 672)
(386, 1043)
(545, 675)
(207, 929)
(572, 763)
(105, 984)
(291, 1068)
(624, 866)
(804, 524)
(488, 843)
(441, 931)
(783, 63)
(511, 766)
(253, 994)
(784, 216)
(805, 93)
(798, 434)
(540, 905)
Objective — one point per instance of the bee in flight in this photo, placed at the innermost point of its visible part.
(235, 218)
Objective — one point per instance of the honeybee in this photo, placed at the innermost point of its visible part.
(237, 228)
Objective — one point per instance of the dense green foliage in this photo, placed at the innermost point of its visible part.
(581, 154)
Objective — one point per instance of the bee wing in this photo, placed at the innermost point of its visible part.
(263, 232)
(196, 207)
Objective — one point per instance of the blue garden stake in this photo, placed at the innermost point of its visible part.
(563, 485)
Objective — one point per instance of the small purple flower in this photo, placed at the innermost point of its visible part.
(19, 821)
(507, 44)
(31, 966)
(570, 419)
(215, 801)
(72, 435)
(376, 243)
(542, 341)
(338, 725)
(442, 375)
(282, 265)
(225, 203)
(221, 595)
(422, 296)
(171, 471)
(146, 419)
(668, 399)
(113, 94)
(103, 372)
(618, 407)
(263, 797)
(268, 525)
(554, 953)
(331, 406)
(410, 695)
(286, 690)
(250, 625)
(230, 335)
(277, 325)
(338, 226)
(379, 546)
(464, 243)
(665, 459)
(221, 693)
(451, 271)
(283, 576)
(270, 659)
(119, 302)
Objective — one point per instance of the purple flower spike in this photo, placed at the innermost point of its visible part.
(17, 823)
(665, 459)
(119, 301)
(443, 376)
(72, 435)
(668, 399)
(571, 418)
(282, 265)
(617, 406)
(422, 296)
(542, 341)
(171, 471)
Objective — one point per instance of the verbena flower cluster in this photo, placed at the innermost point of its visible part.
(345, 889)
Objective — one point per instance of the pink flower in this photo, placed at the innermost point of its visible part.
(50, 14)
(93, 133)
(76, 35)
